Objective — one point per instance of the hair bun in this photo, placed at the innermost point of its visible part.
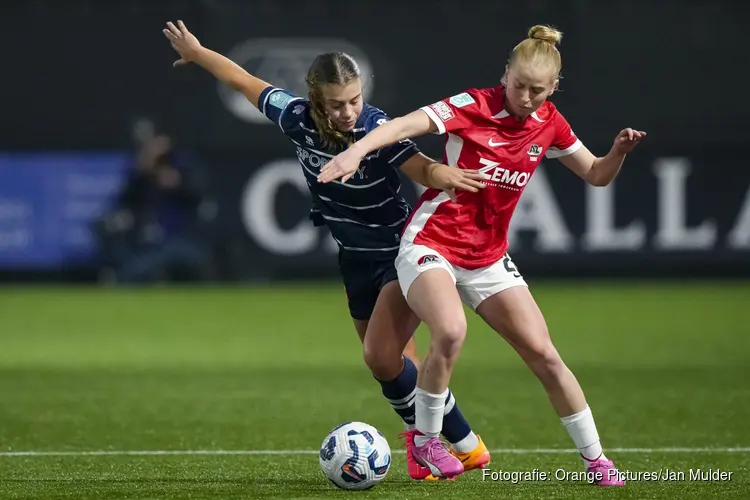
(545, 33)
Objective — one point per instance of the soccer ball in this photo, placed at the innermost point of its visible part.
(355, 456)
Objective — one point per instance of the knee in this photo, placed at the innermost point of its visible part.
(383, 362)
(543, 359)
(448, 337)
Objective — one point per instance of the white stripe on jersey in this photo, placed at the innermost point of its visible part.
(452, 152)
(359, 249)
(367, 207)
(327, 155)
(352, 186)
(453, 149)
(350, 221)
(422, 215)
(408, 148)
(557, 153)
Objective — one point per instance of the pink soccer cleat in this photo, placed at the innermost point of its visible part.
(416, 471)
(604, 473)
(437, 458)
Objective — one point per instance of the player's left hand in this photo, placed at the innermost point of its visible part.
(627, 139)
(343, 166)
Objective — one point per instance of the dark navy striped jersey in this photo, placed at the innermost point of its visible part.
(365, 215)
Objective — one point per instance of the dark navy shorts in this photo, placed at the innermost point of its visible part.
(363, 280)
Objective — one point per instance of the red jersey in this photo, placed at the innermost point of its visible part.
(473, 232)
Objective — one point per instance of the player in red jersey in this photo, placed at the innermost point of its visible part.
(456, 251)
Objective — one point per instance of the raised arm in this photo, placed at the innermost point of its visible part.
(223, 68)
(345, 164)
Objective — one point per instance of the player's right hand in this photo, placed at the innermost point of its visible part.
(183, 42)
(451, 178)
(343, 166)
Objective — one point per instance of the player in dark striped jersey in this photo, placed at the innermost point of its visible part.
(365, 215)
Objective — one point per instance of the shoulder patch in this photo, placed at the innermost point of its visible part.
(461, 100)
(279, 99)
(443, 111)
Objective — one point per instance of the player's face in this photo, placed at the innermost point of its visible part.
(343, 103)
(529, 85)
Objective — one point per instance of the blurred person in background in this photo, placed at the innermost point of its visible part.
(156, 229)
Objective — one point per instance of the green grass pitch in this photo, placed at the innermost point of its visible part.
(196, 393)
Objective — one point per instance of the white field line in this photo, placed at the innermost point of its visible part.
(499, 451)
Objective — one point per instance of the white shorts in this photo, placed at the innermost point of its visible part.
(473, 285)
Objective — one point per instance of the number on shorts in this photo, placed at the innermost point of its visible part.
(510, 267)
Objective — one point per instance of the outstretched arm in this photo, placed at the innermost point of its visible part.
(600, 171)
(345, 164)
(412, 125)
(223, 68)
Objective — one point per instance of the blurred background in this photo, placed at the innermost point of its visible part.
(116, 167)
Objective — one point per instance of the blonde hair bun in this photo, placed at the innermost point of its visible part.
(546, 34)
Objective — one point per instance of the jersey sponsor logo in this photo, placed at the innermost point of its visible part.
(361, 170)
(494, 144)
(461, 100)
(428, 259)
(279, 99)
(443, 111)
(284, 61)
(298, 109)
(496, 176)
(309, 141)
(311, 159)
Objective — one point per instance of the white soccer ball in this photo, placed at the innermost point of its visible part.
(355, 456)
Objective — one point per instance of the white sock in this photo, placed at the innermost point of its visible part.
(428, 410)
(582, 430)
(467, 444)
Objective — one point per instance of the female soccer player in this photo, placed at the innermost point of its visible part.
(365, 216)
(454, 251)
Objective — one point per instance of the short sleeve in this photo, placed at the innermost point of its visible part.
(395, 154)
(565, 142)
(276, 103)
(452, 113)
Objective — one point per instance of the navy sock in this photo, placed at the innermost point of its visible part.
(401, 391)
(455, 426)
